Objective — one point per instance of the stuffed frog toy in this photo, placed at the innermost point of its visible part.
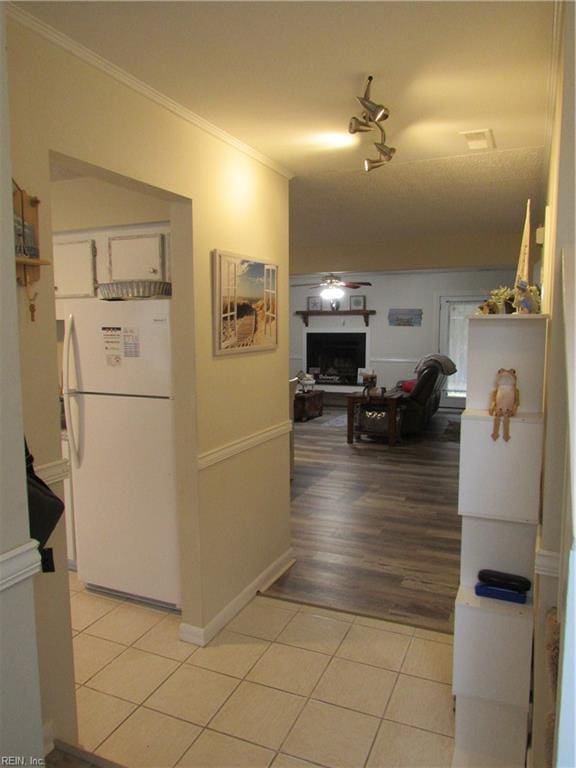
(504, 402)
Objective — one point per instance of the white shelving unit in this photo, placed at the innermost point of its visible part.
(499, 500)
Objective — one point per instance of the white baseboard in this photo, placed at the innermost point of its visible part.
(202, 635)
(88, 757)
(48, 736)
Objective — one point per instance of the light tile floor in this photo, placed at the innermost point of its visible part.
(283, 686)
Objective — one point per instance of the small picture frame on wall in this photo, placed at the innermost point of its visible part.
(357, 302)
(314, 304)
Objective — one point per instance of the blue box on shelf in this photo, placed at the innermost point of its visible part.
(499, 593)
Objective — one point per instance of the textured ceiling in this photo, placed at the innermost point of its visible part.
(473, 192)
(281, 75)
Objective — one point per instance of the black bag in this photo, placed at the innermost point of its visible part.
(44, 511)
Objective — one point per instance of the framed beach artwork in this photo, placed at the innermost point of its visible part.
(245, 304)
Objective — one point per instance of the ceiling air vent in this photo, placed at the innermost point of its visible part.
(480, 139)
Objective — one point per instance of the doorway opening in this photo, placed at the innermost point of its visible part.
(115, 238)
(453, 342)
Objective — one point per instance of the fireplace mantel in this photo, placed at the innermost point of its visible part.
(305, 314)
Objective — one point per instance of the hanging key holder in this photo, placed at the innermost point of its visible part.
(31, 303)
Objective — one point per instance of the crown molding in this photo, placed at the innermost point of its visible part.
(98, 62)
(554, 70)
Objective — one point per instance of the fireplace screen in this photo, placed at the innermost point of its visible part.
(334, 358)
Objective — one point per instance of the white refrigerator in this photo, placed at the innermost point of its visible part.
(119, 417)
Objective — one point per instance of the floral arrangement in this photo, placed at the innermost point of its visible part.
(524, 299)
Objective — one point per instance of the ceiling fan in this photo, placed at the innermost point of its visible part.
(331, 281)
(332, 288)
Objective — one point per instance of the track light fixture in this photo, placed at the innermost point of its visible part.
(370, 119)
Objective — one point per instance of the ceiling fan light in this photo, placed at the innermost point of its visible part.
(332, 292)
(356, 125)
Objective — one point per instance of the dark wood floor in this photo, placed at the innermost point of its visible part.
(375, 529)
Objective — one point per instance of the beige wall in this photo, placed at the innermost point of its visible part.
(238, 204)
(87, 203)
(557, 507)
(20, 707)
(438, 250)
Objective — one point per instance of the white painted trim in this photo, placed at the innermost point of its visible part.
(19, 564)
(120, 75)
(148, 227)
(88, 757)
(202, 635)
(48, 736)
(229, 450)
(54, 471)
(547, 563)
(394, 359)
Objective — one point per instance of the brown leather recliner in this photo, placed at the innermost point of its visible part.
(419, 405)
(413, 408)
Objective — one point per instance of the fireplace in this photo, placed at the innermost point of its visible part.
(334, 358)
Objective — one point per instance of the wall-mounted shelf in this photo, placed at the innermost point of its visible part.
(27, 269)
(26, 234)
(306, 314)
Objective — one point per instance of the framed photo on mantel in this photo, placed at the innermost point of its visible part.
(357, 302)
(314, 304)
(245, 304)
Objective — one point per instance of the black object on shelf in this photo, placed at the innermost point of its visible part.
(504, 580)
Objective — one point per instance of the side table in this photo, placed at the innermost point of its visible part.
(391, 401)
(308, 405)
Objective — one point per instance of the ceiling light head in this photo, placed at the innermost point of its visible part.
(369, 165)
(375, 112)
(386, 153)
(331, 292)
(357, 125)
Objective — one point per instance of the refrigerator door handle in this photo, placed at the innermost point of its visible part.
(67, 392)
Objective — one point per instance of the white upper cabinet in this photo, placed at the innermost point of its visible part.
(137, 257)
(83, 259)
(75, 268)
